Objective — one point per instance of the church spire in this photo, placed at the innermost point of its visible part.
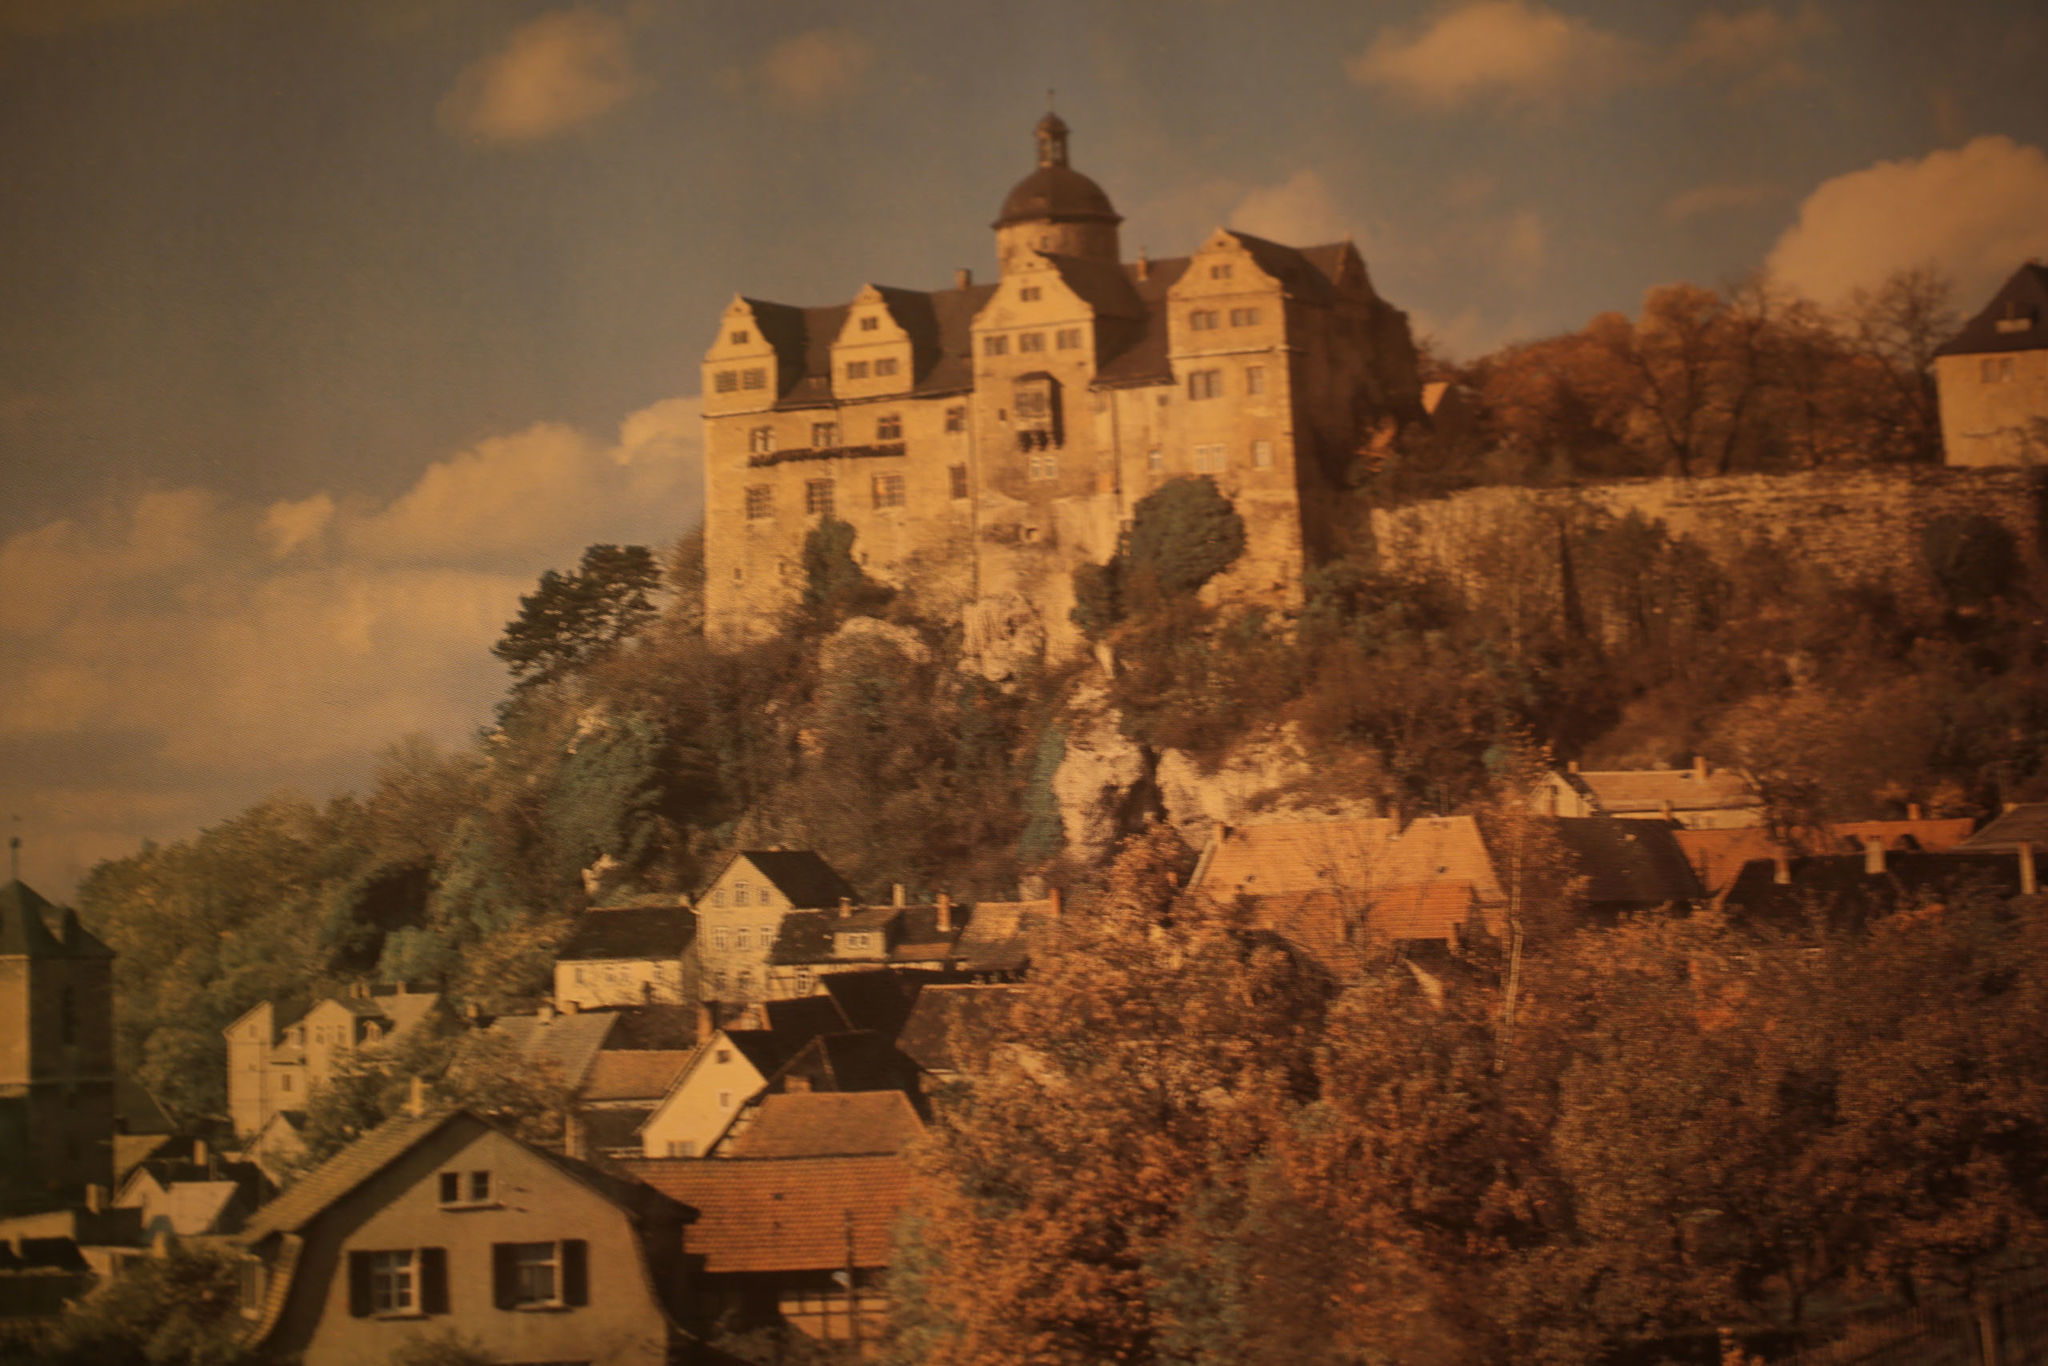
(1052, 140)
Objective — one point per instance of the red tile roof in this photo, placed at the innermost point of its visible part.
(1434, 910)
(782, 1213)
(829, 1124)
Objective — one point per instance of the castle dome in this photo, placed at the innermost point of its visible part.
(1055, 192)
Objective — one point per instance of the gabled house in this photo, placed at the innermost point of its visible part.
(618, 1095)
(1699, 798)
(640, 954)
(1993, 378)
(741, 911)
(728, 1070)
(436, 1224)
(193, 1192)
(271, 1070)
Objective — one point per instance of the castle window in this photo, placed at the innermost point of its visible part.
(1067, 339)
(1045, 466)
(1031, 341)
(824, 434)
(1262, 455)
(957, 474)
(1244, 317)
(1155, 459)
(995, 346)
(856, 369)
(818, 498)
(870, 323)
(740, 338)
(725, 381)
(1209, 460)
(756, 378)
(760, 502)
(761, 440)
(1221, 272)
(888, 490)
(1029, 294)
(1203, 319)
(1205, 384)
(1255, 379)
(889, 428)
(885, 367)
(956, 419)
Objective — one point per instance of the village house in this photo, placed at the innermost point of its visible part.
(816, 944)
(1993, 378)
(192, 1192)
(437, 1224)
(638, 954)
(1699, 798)
(741, 912)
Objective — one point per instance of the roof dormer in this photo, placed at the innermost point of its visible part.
(741, 368)
(874, 355)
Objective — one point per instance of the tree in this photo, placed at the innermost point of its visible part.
(835, 586)
(572, 620)
(1183, 533)
(182, 1309)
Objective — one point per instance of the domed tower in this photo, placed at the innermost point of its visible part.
(1056, 208)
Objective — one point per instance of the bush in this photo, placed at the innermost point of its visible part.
(1184, 533)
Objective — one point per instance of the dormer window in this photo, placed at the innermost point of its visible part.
(870, 323)
(1221, 272)
(740, 338)
(1030, 294)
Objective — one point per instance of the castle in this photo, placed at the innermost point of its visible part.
(985, 440)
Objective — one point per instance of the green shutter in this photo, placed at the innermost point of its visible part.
(359, 1284)
(575, 1271)
(433, 1280)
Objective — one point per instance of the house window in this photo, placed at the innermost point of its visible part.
(824, 434)
(1997, 369)
(957, 475)
(403, 1281)
(1205, 384)
(888, 490)
(453, 1188)
(740, 338)
(718, 938)
(725, 381)
(818, 497)
(739, 893)
(754, 379)
(1202, 319)
(1244, 317)
(889, 428)
(760, 502)
(856, 369)
(1045, 466)
(1262, 455)
(1255, 379)
(1221, 272)
(743, 938)
(1209, 459)
(761, 440)
(1155, 460)
(536, 1275)
(1029, 294)
(885, 367)
(725, 1100)
(870, 323)
(805, 980)
(479, 1187)
(724, 1056)
(1067, 339)
(284, 1081)
(956, 419)
(743, 985)
(1031, 341)
(995, 346)
(718, 897)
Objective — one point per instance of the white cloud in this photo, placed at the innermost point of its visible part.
(1975, 212)
(180, 654)
(1509, 52)
(1727, 197)
(815, 68)
(555, 73)
(1299, 211)
(1757, 48)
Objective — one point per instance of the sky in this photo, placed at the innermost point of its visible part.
(327, 325)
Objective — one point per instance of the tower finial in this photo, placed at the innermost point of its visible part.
(1052, 139)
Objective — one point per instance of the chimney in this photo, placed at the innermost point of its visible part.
(1873, 855)
(706, 1026)
(95, 1198)
(845, 908)
(199, 1152)
(1781, 871)
(896, 895)
(794, 1085)
(963, 278)
(1571, 765)
(2028, 884)
(470, 1012)
(1699, 768)
(945, 914)
(1056, 899)
(416, 1097)
(1144, 265)
(1912, 811)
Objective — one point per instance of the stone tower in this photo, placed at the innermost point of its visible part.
(1056, 209)
(56, 1055)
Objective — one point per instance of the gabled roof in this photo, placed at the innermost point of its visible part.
(998, 937)
(783, 1214)
(853, 1060)
(1141, 357)
(1292, 266)
(830, 1124)
(1103, 285)
(954, 1027)
(2026, 822)
(876, 999)
(1432, 910)
(800, 875)
(641, 1074)
(1293, 857)
(913, 934)
(1717, 855)
(25, 929)
(2022, 304)
(311, 1194)
(567, 1042)
(636, 932)
(1627, 863)
(1617, 792)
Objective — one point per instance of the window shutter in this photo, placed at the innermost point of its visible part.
(433, 1280)
(575, 1271)
(359, 1284)
(504, 1276)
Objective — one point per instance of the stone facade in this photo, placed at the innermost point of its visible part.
(985, 440)
(1993, 378)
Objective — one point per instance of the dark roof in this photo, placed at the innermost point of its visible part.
(1140, 356)
(2023, 299)
(1847, 896)
(2026, 823)
(913, 934)
(782, 1214)
(805, 1016)
(638, 932)
(998, 937)
(765, 1049)
(613, 1129)
(25, 929)
(1105, 286)
(566, 1041)
(1627, 863)
(857, 1060)
(829, 1124)
(1295, 271)
(652, 1026)
(1056, 194)
(807, 880)
(953, 1028)
(876, 999)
